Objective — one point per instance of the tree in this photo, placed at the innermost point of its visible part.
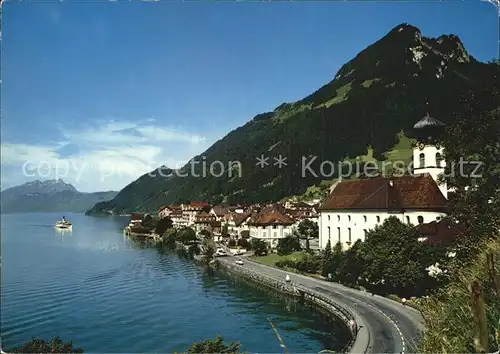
(205, 234)
(163, 225)
(231, 242)
(147, 221)
(207, 250)
(475, 202)
(214, 346)
(326, 259)
(225, 229)
(396, 260)
(288, 245)
(186, 235)
(337, 259)
(351, 266)
(307, 230)
(244, 243)
(170, 236)
(56, 345)
(259, 247)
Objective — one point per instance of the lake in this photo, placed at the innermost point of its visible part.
(109, 293)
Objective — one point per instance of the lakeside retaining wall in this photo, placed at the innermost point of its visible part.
(308, 295)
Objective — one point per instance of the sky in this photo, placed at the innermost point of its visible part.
(98, 93)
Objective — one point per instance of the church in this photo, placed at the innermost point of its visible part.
(354, 207)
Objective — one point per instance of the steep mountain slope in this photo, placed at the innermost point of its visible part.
(386, 88)
(50, 195)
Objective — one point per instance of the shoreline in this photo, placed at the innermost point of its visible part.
(356, 344)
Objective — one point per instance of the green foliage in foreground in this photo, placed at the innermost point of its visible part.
(259, 247)
(288, 245)
(448, 315)
(56, 345)
(37, 345)
(216, 345)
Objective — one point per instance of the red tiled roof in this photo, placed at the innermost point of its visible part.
(199, 204)
(239, 218)
(406, 192)
(220, 210)
(271, 216)
(443, 231)
(136, 216)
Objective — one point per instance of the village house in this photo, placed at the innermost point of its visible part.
(219, 212)
(192, 209)
(439, 232)
(179, 219)
(271, 225)
(237, 226)
(135, 220)
(354, 207)
(205, 221)
(165, 210)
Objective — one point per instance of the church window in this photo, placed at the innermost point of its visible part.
(421, 160)
(439, 158)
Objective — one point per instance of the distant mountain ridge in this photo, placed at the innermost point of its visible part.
(49, 196)
(382, 91)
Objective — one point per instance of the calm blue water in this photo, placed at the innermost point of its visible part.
(110, 294)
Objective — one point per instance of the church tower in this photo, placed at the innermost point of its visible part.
(428, 154)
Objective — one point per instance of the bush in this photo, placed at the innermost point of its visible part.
(214, 346)
(308, 263)
(448, 315)
(243, 243)
(56, 345)
(163, 225)
(186, 235)
(259, 247)
(288, 245)
(231, 243)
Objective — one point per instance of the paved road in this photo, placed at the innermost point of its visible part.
(390, 326)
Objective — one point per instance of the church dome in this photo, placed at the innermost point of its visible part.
(428, 122)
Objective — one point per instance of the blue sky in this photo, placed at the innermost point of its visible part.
(106, 91)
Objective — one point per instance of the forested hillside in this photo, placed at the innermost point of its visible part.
(384, 90)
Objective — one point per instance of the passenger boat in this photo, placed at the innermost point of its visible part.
(63, 224)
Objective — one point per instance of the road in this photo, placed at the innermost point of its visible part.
(390, 327)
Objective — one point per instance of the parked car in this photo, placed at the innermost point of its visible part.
(239, 262)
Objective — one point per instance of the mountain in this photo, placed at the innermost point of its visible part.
(48, 196)
(374, 97)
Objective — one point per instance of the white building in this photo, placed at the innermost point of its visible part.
(271, 225)
(354, 207)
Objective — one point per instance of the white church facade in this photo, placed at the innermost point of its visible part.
(354, 207)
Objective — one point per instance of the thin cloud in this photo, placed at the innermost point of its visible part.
(108, 156)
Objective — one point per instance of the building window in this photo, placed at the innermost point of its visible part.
(264, 234)
(365, 232)
(407, 219)
(274, 226)
(364, 218)
(338, 217)
(349, 218)
(338, 233)
(328, 217)
(349, 230)
(421, 158)
(420, 219)
(378, 218)
(329, 233)
(439, 158)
